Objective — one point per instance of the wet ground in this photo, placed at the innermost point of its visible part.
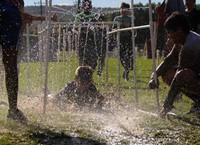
(115, 126)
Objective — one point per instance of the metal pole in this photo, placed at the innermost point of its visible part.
(118, 46)
(134, 55)
(107, 48)
(41, 11)
(153, 48)
(48, 23)
(28, 55)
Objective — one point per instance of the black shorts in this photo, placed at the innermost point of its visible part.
(10, 23)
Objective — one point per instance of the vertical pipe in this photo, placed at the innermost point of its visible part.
(28, 56)
(59, 42)
(155, 43)
(40, 45)
(64, 56)
(153, 50)
(107, 47)
(48, 22)
(134, 55)
(118, 47)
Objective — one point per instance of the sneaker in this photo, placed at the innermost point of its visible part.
(195, 109)
(126, 75)
(163, 112)
(17, 115)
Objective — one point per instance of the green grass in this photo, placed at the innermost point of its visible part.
(57, 126)
(32, 80)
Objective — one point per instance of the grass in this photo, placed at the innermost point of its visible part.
(57, 127)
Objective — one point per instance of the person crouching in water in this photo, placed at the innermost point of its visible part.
(81, 92)
(185, 55)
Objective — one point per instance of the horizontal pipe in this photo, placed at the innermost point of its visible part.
(129, 28)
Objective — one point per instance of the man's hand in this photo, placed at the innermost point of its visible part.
(153, 84)
(163, 112)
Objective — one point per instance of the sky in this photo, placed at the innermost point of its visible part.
(96, 3)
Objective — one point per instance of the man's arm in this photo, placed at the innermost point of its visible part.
(170, 61)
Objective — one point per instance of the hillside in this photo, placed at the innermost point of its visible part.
(66, 13)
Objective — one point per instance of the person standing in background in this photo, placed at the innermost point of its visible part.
(87, 51)
(126, 52)
(193, 14)
(164, 10)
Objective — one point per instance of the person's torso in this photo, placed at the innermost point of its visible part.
(190, 53)
(125, 22)
(72, 92)
(91, 17)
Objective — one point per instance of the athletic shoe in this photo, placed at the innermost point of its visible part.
(17, 115)
(195, 109)
(126, 75)
(163, 112)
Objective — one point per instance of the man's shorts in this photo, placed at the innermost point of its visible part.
(10, 23)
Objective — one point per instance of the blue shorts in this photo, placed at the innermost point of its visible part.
(10, 23)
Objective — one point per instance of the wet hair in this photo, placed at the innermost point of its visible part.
(124, 5)
(84, 73)
(177, 20)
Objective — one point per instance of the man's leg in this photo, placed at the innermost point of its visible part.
(185, 80)
(190, 86)
(189, 80)
(174, 90)
(168, 76)
(11, 75)
(124, 61)
(195, 109)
